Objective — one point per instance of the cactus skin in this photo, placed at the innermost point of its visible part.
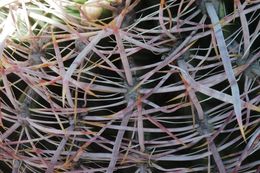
(141, 87)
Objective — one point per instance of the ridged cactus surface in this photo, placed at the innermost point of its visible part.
(140, 86)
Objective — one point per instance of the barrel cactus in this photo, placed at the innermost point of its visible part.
(129, 86)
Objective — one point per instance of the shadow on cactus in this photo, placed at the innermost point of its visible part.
(129, 86)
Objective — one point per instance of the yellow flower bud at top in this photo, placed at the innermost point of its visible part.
(92, 9)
